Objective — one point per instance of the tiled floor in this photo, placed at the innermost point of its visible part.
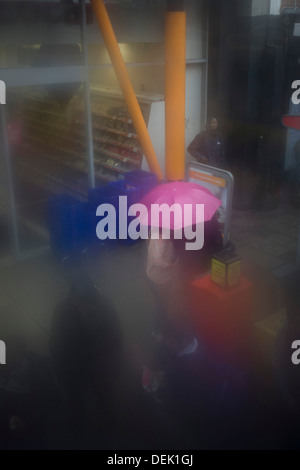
(267, 239)
(31, 290)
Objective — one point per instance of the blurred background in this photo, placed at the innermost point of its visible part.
(66, 130)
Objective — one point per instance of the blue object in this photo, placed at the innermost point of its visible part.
(104, 195)
(133, 192)
(144, 179)
(66, 225)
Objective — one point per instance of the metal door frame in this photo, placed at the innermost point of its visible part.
(229, 178)
(14, 78)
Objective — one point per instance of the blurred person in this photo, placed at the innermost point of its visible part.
(86, 353)
(170, 269)
(164, 277)
(297, 152)
(187, 367)
(206, 394)
(208, 147)
(295, 177)
(28, 398)
(174, 375)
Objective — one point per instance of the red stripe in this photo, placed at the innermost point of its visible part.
(291, 121)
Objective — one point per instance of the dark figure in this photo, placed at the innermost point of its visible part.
(208, 147)
(292, 179)
(297, 153)
(206, 396)
(86, 351)
(28, 398)
(287, 373)
(179, 380)
(296, 188)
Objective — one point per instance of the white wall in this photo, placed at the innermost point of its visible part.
(194, 104)
(266, 7)
(193, 125)
(196, 29)
(275, 7)
(156, 128)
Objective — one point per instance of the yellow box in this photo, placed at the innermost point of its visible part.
(226, 269)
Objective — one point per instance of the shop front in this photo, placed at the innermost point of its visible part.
(66, 127)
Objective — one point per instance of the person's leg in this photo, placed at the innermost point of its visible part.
(160, 293)
(177, 305)
(74, 409)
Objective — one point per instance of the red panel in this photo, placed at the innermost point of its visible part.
(223, 318)
(292, 121)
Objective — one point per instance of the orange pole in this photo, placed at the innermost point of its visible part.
(175, 94)
(126, 85)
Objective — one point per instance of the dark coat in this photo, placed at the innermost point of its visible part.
(209, 145)
(86, 339)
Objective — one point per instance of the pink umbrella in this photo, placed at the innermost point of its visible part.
(184, 198)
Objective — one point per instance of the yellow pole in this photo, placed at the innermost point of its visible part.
(126, 86)
(175, 94)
